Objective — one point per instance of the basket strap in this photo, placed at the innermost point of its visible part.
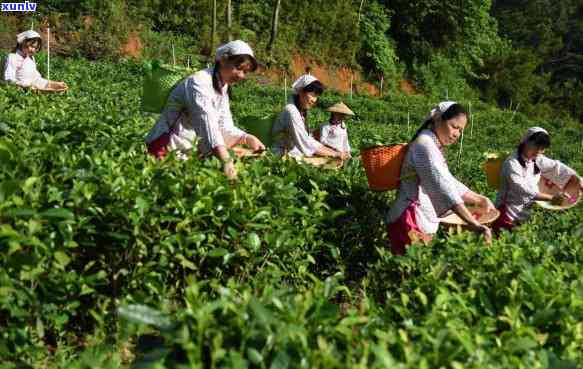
(407, 176)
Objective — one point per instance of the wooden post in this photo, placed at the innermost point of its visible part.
(382, 80)
(471, 121)
(213, 27)
(285, 88)
(274, 23)
(49, 53)
(514, 113)
(173, 55)
(229, 20)
(460, 152)
(360, 10)
(351, 76)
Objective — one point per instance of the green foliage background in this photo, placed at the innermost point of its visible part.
(514, 53)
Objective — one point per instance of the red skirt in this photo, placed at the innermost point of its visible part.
(404, 231)
(503, 222)
(159, 147)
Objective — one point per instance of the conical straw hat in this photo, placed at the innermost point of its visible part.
(340, 108)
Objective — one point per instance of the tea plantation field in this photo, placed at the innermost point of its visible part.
(111, 259)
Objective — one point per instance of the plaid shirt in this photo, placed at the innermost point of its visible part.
(433, 188)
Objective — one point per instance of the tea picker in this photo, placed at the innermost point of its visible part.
(527, 177)
(334, 134)
(195, 112)
(20, 68)
(291, 136)
(426, 187)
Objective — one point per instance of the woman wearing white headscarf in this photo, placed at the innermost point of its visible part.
(198, 110)
(20, 67)
(427, 189)
(290, 130)
(520, 176)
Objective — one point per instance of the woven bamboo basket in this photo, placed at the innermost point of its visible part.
(382, 165)
(572, 190)
(244, 152)
(453, 221)
(323, 162)
(493, 168)
(158, 82)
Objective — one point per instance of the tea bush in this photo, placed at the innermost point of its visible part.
(110, 258)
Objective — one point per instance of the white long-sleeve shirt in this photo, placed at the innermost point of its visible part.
(519, 185)
(196, 111)
(425, 177)
(21, 70)
(335, 136)
(290, 135)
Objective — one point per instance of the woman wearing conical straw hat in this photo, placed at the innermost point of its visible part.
(334, 134)
(20, 67)
(427, 189)
(290, 130)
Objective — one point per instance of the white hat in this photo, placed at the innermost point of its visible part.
(439, 109)
(531, 131)
(26, 35)
(236, 47)
(302, 82)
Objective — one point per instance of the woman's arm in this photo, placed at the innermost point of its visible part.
(472, 198)
(440, 185)
(306, 143)
(464, 213)
(228, 164)
(205, 120)
(326, 151)
(234, 135)
(554, 170)
(10, 70)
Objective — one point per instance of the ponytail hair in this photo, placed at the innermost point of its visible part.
(426, 125)
(303, 112)
(453, 111)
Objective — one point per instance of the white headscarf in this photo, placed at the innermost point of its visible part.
(439, 109)
(26, 35)
(531, 131)
(302, 82)
(236, 47)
